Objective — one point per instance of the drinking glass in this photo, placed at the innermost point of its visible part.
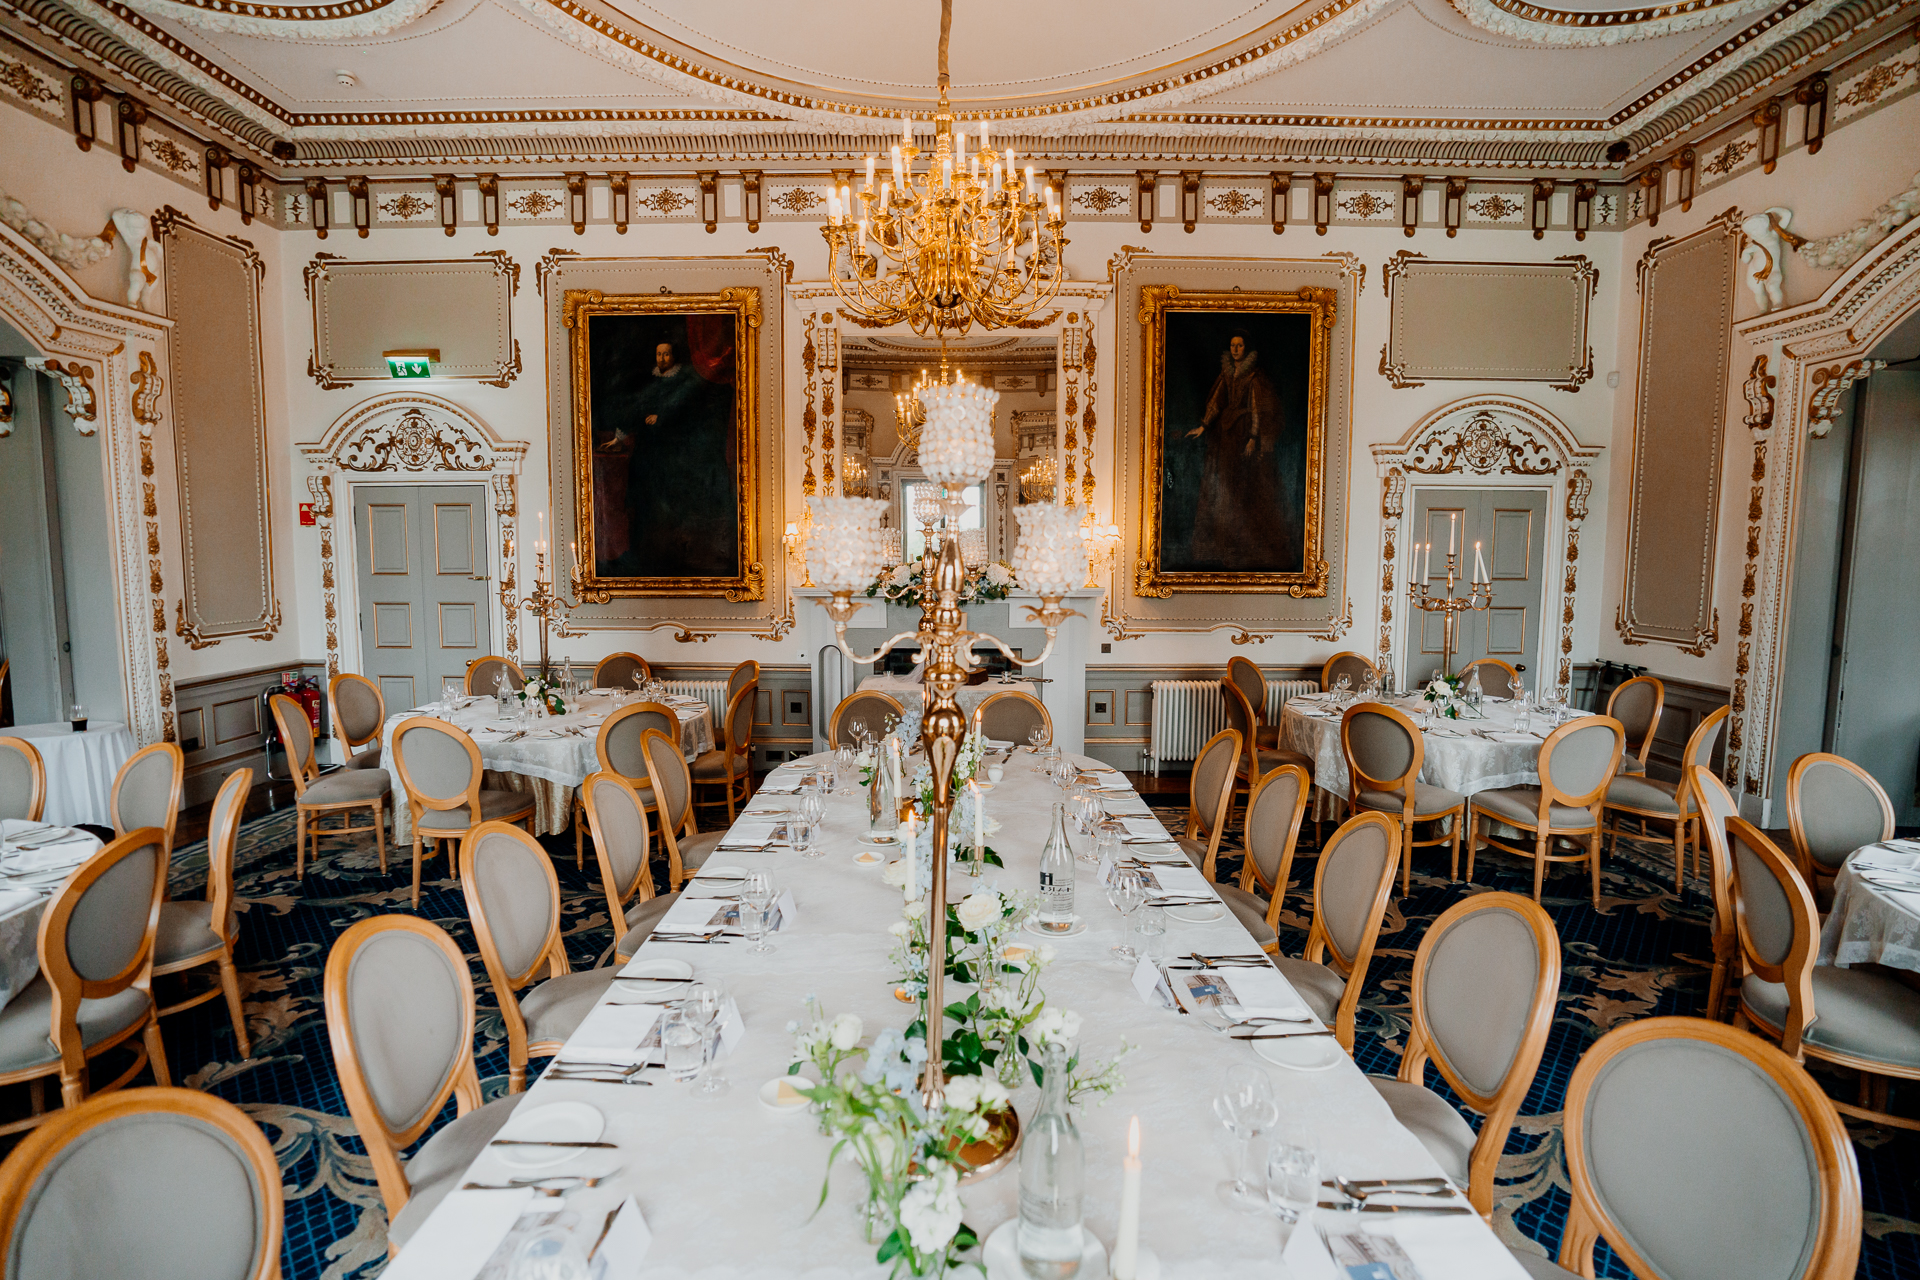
(1151, 924)
(1293, 1176)
(1084, 808)
(450, 693)
(756, 895)
(1106, 841)
(1517, 687)
(801, 831)
(845, 769)
(685, 1043)
(78, 717)
(1246, 1105)
(549, 1253)
(1342, 690)
(1035, 737)
(705, 1006)
(1127, 893)
(814, 805)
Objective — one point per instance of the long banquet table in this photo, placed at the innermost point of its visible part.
(729, 1187)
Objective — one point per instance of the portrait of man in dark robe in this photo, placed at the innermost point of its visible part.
(1234, 483)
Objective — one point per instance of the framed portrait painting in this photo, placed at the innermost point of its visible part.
(1235, 408)
(665, 433)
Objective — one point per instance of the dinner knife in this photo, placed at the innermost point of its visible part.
(553, 1142)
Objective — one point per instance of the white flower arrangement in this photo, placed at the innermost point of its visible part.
(538, 692)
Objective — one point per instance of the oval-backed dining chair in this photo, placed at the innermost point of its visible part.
(1852, 1017)
(359, 713)
(23, 780)
(870, 708)
(1833, 807)
(1484, 984)
(1646, 798)
(688, 847)
(441, 772)
(1255, 762)
(399, 1007)
(1274, 810)
(482, 672)
(513, 899)
(1699, 1152)
(1577, 761)
(1010, 715)
(1210, 800)
(342, 792)
(170, 1184)
(1243, 675)
(621, 671)
(193, 935)
(95, 989)
(1385, 753)
(1716, 805)
(1497, 677)
(1637, 704)
(146, 793)
(746, 673)
(729, 765)
(617, 747)
(1354, 666)
(1351, 884)
(624, 847)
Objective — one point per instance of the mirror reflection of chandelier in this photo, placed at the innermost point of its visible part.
(1038, 479)
(910, 412)
(941, 249)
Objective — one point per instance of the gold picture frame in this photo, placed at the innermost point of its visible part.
(1153, 575)
(746, 579)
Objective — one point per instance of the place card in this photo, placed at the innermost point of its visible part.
(622, 1251)
(1152, 984)
(732, 1028)
(783, 912)
(1357, 1254)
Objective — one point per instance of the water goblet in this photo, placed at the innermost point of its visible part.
(1036, 738)
(1246, 1105)
(845, 768)
(756, 895)
(705, 1005)
(450, 694)
(814, 805)
(685, 1043)
(1342, 689)
(1127, 893)
(1106, 842)
(1293, 1176)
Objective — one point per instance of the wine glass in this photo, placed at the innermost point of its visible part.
(705, 1006)
(1517, 687)
(1036, 737)
(1246, 1105)
(1369, 686)
(756, 895)
(1293, 1175)
(844, 768)
(1127, 891)
(1106, 842)
(450, 693)
(1342, 689)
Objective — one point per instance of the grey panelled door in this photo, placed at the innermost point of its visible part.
(1511, 526)
(421, 557)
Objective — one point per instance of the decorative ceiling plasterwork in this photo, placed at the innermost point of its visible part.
(1541, 25)
(329, 20)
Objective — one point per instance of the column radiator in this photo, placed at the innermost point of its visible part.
(1188, 712)
(714, 694)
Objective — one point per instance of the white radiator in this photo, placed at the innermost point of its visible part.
(711, 692)
(1188, 712)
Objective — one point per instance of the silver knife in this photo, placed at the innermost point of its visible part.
(540, 1142)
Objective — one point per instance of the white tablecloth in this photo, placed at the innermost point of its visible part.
(81, 768)
(22, 905)
(730, 1188)
(549, 753)
(1871, 924)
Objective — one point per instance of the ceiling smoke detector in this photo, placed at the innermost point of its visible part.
(345, 79)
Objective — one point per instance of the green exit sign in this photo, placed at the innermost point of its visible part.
(411, 364)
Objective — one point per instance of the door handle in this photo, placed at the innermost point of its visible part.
(483, 577)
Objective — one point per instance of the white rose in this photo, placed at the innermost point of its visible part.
(1044, 956)
(901, 576)
(979, 908)
(999, 575)
(898, 928)
(895, 873)
(846, 1031)
(963, 1093)
(930, 1211)
(993, 1094)
(915, 910)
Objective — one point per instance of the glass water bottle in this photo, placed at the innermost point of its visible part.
(1053, 1175)
(883, 803)
(1056, 876)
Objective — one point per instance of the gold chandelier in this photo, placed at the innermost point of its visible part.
(941, 249)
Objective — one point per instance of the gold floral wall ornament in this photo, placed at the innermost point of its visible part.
(809, 417)
(1496, 208)
(1088, 420)
(1368, 204)
(664, 200)
(406, 206)
(1481, 445)
(147, 385)
(1876, 84)
(77, 380)
(1102, 200)
(414, 442)
(1235, 202)
(506, 511)
(170, 153)
(535, 204)
(1726, 159)
(798, 199)
(20, 80)
(320, 489)
(1829, 385)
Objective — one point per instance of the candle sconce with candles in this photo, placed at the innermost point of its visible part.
(543, 602)
(1479, 595)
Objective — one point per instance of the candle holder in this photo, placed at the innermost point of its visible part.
(543, 604)
(1479, 597)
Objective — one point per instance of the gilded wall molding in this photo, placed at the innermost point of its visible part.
(76, 379)
(487, 351)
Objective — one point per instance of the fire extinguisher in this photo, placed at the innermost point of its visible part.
(307, 693)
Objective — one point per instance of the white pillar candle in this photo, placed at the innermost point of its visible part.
(1126, 1244)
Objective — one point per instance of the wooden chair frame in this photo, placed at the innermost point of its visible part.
(383, 1144)
(838, 718)
(1838, 1250)
(1542, 827)
(507, 662)
(1502, 1106)
(620, 898)
(29, 1161)
(37, 767)
(419, 805)
(606, 766)
(1251, 879)
(1012, 695)
(506, 984)
(653, 742)
(1359, 780)
(306, 814)
(1247, 771)
(737, 790)
(1320, 941)
(1728, 969)
(348, 742)
(1509, 674)
(1686, 825)
(1653, 725)
(69, 988)
(1198, 823)
(173, 796)
(646, 668)
(1326, 667)
(1817, 875)
(1265, 735)
(220, 895)
(743, 674)
(1795, 973)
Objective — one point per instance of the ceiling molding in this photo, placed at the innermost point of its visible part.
(1586, 27)
(327, 20)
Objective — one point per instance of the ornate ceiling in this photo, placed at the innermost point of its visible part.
(1590, 87)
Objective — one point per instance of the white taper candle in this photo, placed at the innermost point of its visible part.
(1126, 1243)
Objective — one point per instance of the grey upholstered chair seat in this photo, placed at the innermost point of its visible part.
(1521, 805)
(26, 1019)
(494, 806)
(1271, 757)
(711, 766)
(1196, 851)
(1643, 794)
(1628, 765)
(696, 849)
(1428, 801)
(368, 759)
(186, 932)
(1540, 1268)
(555, 1008)
(1266, 736)
(439, 1165)
(1249, 910)
(1856, 1012)
(347, 786)
(1319, 986)
(1443, 1131)
(642, 919)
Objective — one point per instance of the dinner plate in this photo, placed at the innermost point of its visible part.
(710, 884)
(1197, 915)
(651, 968)
(555, 1122)
(1300, 1053)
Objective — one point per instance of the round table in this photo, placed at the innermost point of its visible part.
(1875, 923)
(23, 900)
(81, 768)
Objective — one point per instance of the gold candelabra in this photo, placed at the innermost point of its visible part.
(543, 603)
(1479, 597)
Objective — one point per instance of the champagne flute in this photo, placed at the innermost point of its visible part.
(1246, 1105)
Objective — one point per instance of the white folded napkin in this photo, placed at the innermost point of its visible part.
(694, 915)
(996, 744)
(751, 835)
(613, 1034)
(1182, 882)
(1146, 828)
(1261, 993)
(458, 1237)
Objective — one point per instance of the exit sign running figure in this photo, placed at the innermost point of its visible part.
(411, 364)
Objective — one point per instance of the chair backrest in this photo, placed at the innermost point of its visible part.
(1716, 804)
(740, 677)
(618, 671)
(296, 735)
(147, 791)
(23, 780)
(1496, 677)
(1636, 704)
(481, 673)
(1696, 1149)
(618, 745)
(1383, 747)
(1350, 889)
(1833, 807)
(1009, 716)
(1779, 925)
(358, 709)
(1210, 789)
(143, 1184)
(1243, 720)
(399, 1004)
(223, 833)
(1274, 810)
(1485, 981)
(871, 708)
(1246, 677)
(1578, 760)
(513, 899)
(1350, 664)
(672, 794)
(439, 766)
(96, 936)
(739, 726)
(1699, 753)
(621, 841)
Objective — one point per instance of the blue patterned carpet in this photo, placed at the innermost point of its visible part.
(1636, 956)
